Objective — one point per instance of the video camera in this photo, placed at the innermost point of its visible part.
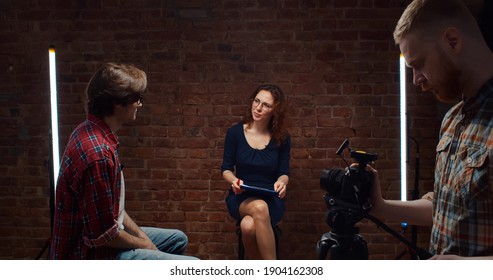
(348, 201)
(348, 190)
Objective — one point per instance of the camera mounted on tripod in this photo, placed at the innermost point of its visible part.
(348, 190)
(348, 201)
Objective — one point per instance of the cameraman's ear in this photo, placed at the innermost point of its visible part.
(453, 40)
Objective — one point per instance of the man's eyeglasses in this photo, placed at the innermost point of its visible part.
(264, 106)
(135, 97)
(139, 101)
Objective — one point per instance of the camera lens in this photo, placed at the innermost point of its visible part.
(331, 180)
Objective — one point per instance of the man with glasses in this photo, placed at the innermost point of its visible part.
(90, 219)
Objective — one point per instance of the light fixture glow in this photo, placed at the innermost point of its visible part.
(54, 115)
(403, 124)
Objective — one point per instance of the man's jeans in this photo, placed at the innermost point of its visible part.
(170, 242)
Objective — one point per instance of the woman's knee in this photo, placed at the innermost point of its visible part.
(247, 226)
(261, 211)
(257, 209)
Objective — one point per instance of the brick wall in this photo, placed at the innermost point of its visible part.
(336, 60)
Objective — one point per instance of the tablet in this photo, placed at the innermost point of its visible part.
(258, 190)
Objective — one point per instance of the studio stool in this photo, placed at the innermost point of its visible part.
(241, 250)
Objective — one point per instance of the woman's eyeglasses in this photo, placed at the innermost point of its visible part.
(264, 106)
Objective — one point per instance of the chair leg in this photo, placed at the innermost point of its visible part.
(241, 249)
(277, 233)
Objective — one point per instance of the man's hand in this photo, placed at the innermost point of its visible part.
(446, 257)
(456, 257)
(148, 244)
(133, 236)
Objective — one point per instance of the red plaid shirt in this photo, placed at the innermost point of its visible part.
(87, 194)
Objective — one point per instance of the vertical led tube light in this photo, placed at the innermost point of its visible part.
(403, 134)
(54, 115)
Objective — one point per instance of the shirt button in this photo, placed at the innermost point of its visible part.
(452, 157)
(469, 160)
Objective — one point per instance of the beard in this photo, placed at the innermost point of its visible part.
(450, 89)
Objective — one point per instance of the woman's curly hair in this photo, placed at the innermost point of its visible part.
(277, 124)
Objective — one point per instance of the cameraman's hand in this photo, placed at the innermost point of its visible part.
(446, 257)
(375, 192)
(456, 257)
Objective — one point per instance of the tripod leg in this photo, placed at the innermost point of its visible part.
(322, 249)
(324, 245)
(47, 244)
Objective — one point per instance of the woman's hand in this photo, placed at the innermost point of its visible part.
(235, 186)
(280, 187)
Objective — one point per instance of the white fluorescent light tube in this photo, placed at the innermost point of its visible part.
(54, 115)
(403, 124)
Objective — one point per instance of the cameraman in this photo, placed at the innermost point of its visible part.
(442, 43)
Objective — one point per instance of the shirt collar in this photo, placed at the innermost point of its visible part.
(107, 132)
(473, 104)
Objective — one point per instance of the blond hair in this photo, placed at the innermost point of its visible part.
(426, 17)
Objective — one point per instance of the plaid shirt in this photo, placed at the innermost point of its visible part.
(463, 190)
(87, 194)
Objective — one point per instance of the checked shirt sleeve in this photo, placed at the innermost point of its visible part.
(100, 203)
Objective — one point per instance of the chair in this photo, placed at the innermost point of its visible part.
(241, 250)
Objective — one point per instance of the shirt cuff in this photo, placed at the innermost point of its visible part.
(103, 238)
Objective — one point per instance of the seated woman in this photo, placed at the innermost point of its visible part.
(257, 153)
